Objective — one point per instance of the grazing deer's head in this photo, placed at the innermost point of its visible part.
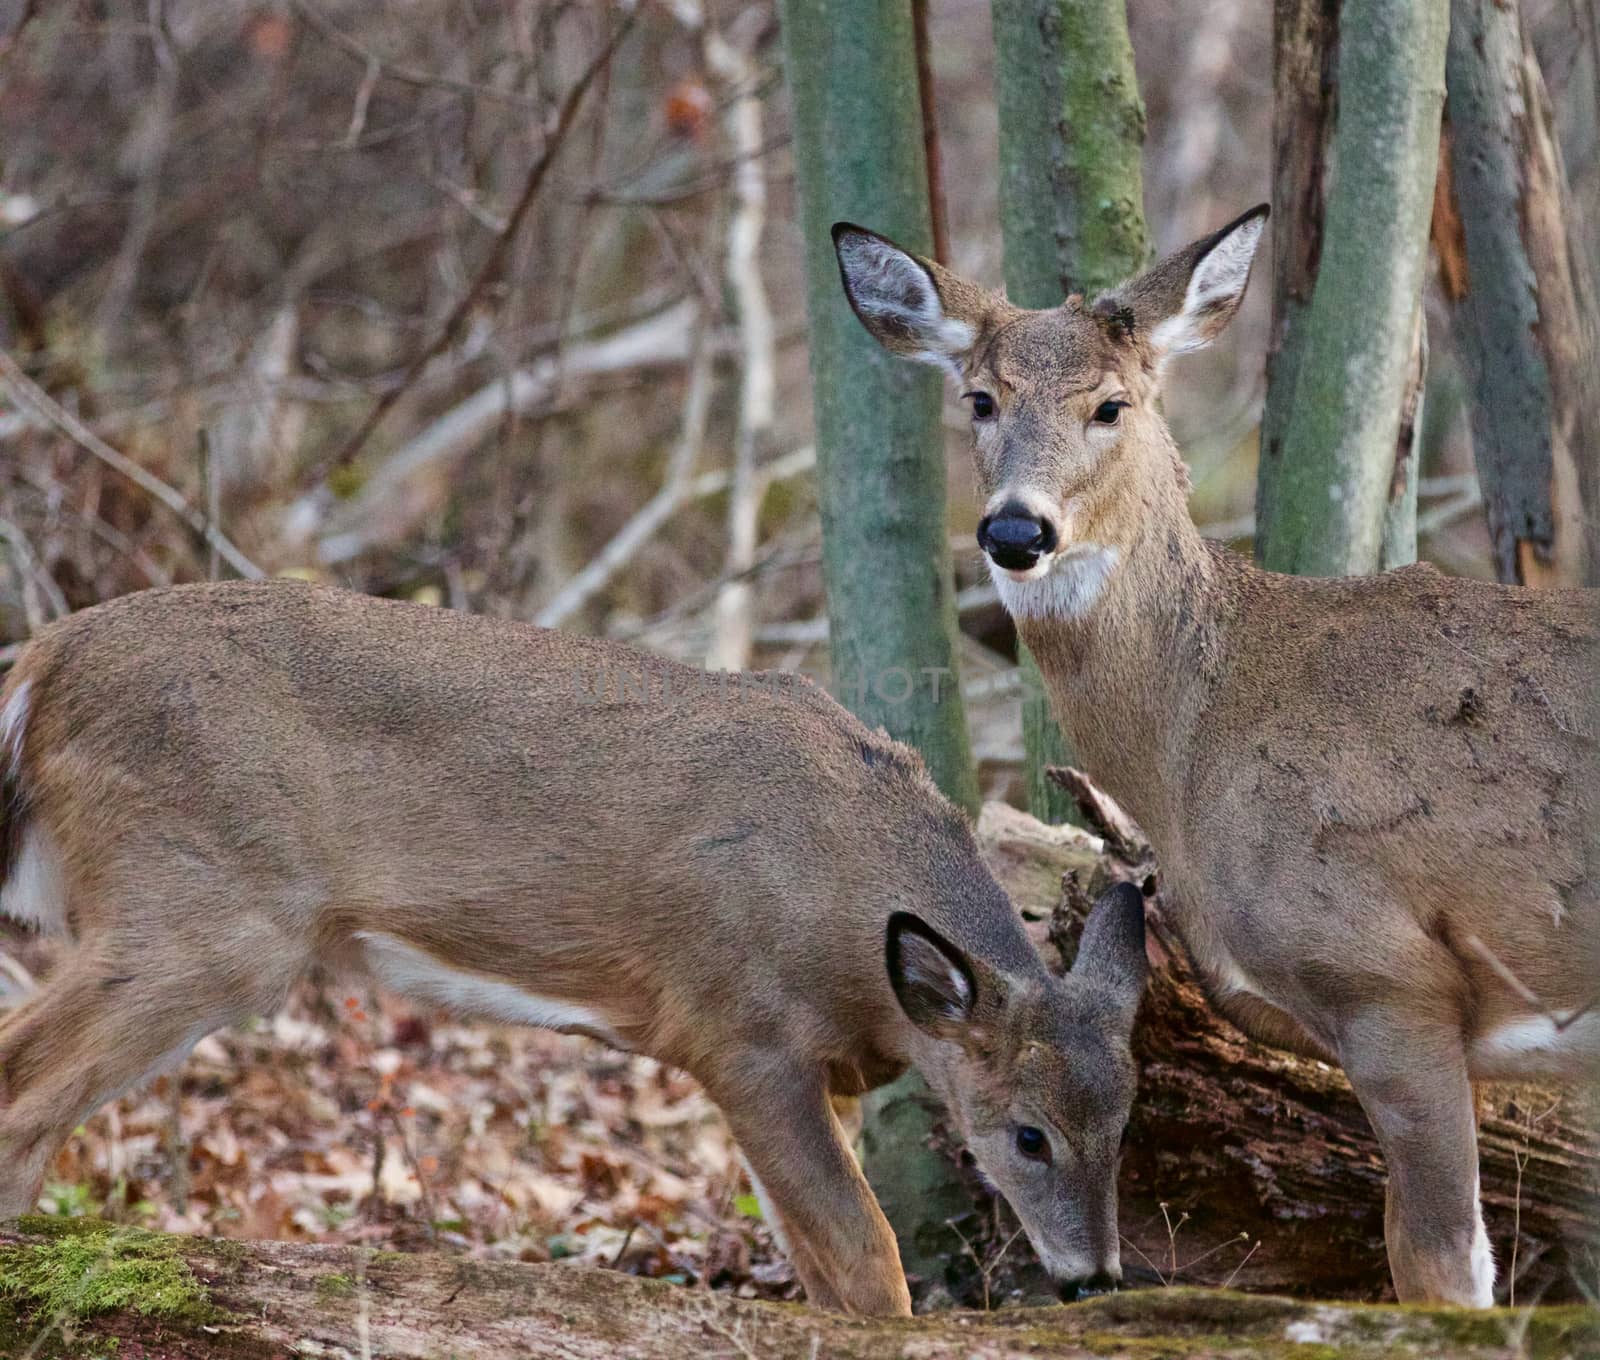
(1037, 1074)
(1070, 448)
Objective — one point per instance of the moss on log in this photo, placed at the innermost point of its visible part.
(256, 1299)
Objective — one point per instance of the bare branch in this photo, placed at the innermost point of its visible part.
(627, 541)
(405, 75)
(1526, 994)
(565, 119)
(730, 646)
(387, 506)
(35, 579)
(27, 393)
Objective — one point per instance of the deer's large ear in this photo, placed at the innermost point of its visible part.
(1111, 951)
(910, 306)
(1184, 302)
(934, 980)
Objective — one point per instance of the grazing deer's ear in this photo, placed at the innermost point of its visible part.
(1111, 951)
(1184, 302)
(934, 980)
(911, 306)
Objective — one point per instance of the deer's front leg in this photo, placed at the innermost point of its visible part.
(1411, 1077)
(838, 1240)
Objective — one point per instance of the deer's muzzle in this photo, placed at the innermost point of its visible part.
(1015, 539)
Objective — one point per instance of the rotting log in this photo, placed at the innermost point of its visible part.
(74, 1289)
(1264, 1163)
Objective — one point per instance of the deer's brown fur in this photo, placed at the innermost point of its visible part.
(1355, 787)
(214, 786)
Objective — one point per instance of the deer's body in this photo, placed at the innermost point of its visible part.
(1407, 758)
(1355, 787)
(210, 788)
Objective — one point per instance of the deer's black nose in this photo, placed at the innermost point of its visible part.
(1101, 1282)
(1015, 539)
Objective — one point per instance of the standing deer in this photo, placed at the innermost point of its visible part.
(213, 787)
(1358, 789)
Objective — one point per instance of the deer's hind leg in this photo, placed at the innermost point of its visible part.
(116, 1011)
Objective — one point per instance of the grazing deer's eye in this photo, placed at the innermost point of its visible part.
(1108, 412)
(1031, 1142)
(983, 406)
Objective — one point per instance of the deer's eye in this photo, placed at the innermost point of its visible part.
(1109, 412)
(983, 407)
(1032, 1143)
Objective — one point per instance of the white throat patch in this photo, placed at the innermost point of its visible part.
(1067, 587)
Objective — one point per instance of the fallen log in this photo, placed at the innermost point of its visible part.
(1250, 1167)
(80, 1288)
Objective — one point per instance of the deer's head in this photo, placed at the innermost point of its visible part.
(1070, 447)
(1037, 1074)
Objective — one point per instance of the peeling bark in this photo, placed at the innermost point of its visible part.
(1523, 305)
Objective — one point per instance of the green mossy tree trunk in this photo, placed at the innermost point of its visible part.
(1071, 215)
(858, 154)
(1352, 197)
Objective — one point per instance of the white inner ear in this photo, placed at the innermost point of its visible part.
(1214, 289)
(927, 966)
(887, 282)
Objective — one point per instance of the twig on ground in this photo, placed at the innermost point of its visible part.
(987, 1268)
(1228, 1283)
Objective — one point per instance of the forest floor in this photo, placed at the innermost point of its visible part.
(353, 1119)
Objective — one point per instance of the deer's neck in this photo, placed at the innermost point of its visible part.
(1132, 653)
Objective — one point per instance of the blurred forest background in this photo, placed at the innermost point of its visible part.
(443, 300)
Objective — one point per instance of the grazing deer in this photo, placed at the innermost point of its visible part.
(212, 787)
(1358, 789)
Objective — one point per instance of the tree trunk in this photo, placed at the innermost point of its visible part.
(1350, 251)
(1400, 515)
(1523, 305)
(880, 453)
(1071, 214)
(858, 154)
(71, 1288)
